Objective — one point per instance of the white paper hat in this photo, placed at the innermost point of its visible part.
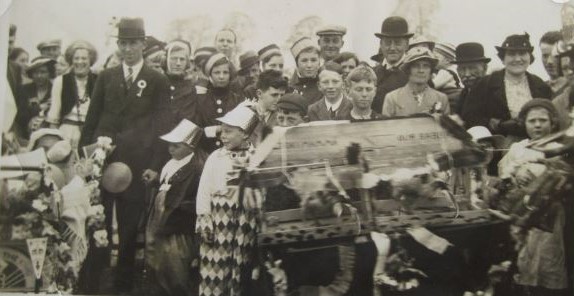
(242, 117)
(481, 133)
(186, 132)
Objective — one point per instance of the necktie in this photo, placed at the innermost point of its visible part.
(130, 78)
(333, 113)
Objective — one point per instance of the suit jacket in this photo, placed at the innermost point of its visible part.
(487, 99)
(134, 118)
(318, 111)
(179, 216)
(387, 81)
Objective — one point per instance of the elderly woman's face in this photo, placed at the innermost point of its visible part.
(538, 123)
(81, 62)
(516, 61)
(220, 75)
(420, 71)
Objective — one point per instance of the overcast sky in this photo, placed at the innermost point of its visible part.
(455, 21)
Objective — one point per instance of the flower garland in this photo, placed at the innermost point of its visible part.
(36, 209)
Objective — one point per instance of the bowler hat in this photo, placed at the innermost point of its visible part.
(394, 26)
(470, 52)
(246, 61)
(131, 28)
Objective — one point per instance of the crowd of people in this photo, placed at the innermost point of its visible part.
(184, 121)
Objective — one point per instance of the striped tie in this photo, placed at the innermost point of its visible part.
(130, 78)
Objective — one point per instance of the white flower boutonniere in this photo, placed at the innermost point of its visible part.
(141, 85)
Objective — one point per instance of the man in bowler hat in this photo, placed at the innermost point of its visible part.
(471, 65)
(130, 105)
(394, 42)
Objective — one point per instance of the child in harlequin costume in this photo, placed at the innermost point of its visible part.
(227, 209)
(170, 243)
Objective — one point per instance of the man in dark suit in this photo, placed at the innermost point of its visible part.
(394, 42)
(335, 105)
(471, 65)
(130, 105)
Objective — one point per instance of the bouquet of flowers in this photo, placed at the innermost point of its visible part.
(70, 217)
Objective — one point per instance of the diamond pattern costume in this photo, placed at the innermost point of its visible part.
(231, 221)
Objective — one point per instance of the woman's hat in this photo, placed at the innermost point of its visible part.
(394, 26)
(446, 49)
(516, 42)
(185, 132)
(419, 53)
(302, 44)
(131, 28)
(246, 61)
(482, 134)
(268, 51)
(421, 40)
(39, 62)
(470, 52)
(242, 117)
(211, 62)
(540, 103)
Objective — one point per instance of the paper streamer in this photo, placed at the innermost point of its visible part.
(430, 240)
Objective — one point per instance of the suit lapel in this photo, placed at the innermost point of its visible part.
(131, 94)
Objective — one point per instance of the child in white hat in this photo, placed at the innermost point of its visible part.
(227, 209)
(170, 243)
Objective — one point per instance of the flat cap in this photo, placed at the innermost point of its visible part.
(332, 30)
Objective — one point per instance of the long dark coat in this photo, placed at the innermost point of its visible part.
(487, 99)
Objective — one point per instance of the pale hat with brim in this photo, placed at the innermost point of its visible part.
(40, 62)
(482, 134)
(242, 117)
(185, 132)
(36, 135)
(302, 44)
(417, 54)
(332, 30)
(421, 40)
(60, 151)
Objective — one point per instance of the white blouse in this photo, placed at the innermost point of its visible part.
(517, 94)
